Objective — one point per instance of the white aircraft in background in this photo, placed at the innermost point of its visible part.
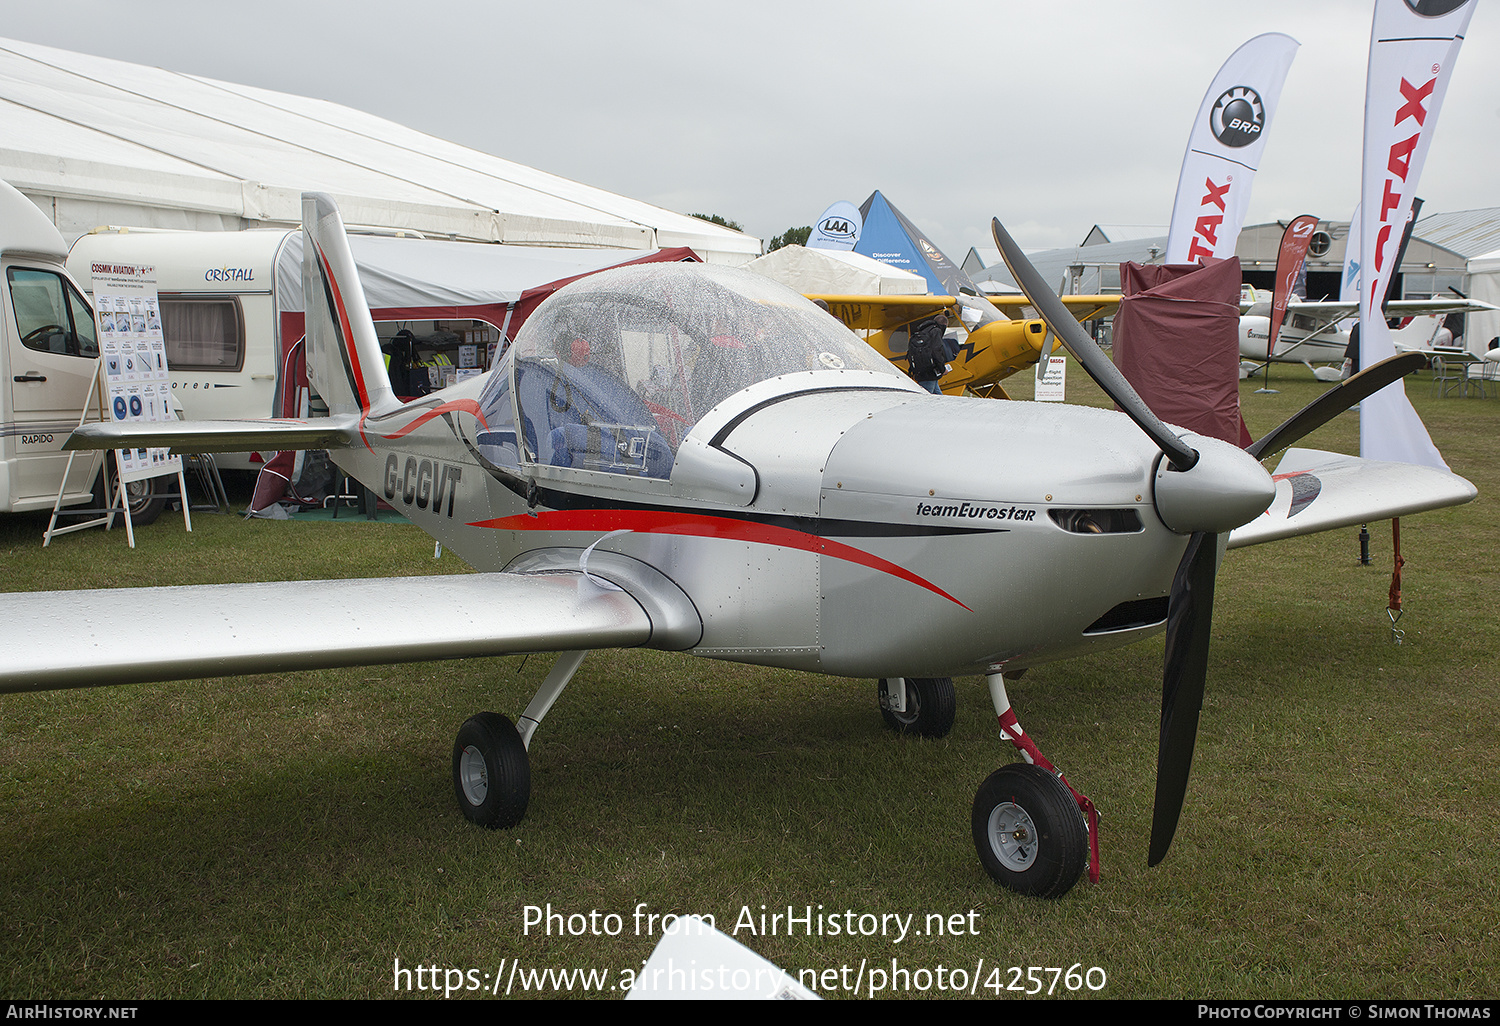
(693, 458)
(1310, 332)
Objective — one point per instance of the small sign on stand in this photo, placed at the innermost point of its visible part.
(133, 383)
(1051, 373)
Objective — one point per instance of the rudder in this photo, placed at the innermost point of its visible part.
(344, 362)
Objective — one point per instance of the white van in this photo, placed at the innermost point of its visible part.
(50, 357)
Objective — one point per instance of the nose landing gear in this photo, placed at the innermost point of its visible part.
(1033, 833)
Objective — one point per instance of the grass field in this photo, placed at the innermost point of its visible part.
(293, 836)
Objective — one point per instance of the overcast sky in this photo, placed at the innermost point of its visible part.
(1053, 116)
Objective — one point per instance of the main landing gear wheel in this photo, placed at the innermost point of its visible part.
(1029, 832)
(930, 703)
(491, 775)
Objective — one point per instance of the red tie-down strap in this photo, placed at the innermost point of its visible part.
(1395, 601)
(1010, 730)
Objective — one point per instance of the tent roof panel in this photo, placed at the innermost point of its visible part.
(135, 117)
(836, 273)
(483, 176)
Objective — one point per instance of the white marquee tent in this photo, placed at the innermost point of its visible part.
(93, 141)
(836, 272)
(1484, 284)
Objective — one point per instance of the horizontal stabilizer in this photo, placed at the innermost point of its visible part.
(1319, 491)
(133, 635)
(190, 436)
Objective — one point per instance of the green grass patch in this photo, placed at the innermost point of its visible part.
(293, 835)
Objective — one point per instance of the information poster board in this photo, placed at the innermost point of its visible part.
(133, 357)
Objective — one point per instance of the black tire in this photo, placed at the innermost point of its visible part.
(145, 504)
(930, 705)
(1029, 832)
(491, 775)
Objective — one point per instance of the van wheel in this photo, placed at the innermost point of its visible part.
(145, 506)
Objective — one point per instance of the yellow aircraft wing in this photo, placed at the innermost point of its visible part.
(991, 352)
(1084, 308)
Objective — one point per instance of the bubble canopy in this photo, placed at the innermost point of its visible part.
(614, 370)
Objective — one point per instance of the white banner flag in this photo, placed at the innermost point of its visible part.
(1224, 148)
(1413, 44)
(1349, 283)
(838, 228)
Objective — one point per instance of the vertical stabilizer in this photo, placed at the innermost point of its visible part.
(344, 362)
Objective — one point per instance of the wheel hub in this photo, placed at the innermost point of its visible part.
(1012, 836)
(913, 708)
(473, 775)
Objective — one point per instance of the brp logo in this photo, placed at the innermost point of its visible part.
(1237, 117)
(1434, 8)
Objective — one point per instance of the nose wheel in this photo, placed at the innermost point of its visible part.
(1029, 832)
(1034, 833)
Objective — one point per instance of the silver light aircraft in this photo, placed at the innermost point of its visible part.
(694, 458)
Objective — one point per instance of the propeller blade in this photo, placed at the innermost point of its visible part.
(1099, 367)
(1189, 617)
(1335, 401)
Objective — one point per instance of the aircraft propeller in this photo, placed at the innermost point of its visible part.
(1190, 607)
(1202, 498)
(1336, 400)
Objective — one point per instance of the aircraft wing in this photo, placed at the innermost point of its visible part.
(884, 313)
(1083, 308)
(1319, 491)
(130, 635)
(1332, 310)
(335, 432)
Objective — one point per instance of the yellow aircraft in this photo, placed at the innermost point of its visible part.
(992, 351)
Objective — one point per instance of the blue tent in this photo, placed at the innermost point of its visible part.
(888, 236)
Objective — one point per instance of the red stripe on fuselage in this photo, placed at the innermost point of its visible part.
(698, 525)
(466, 405)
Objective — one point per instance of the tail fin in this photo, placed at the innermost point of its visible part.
(344, 362)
